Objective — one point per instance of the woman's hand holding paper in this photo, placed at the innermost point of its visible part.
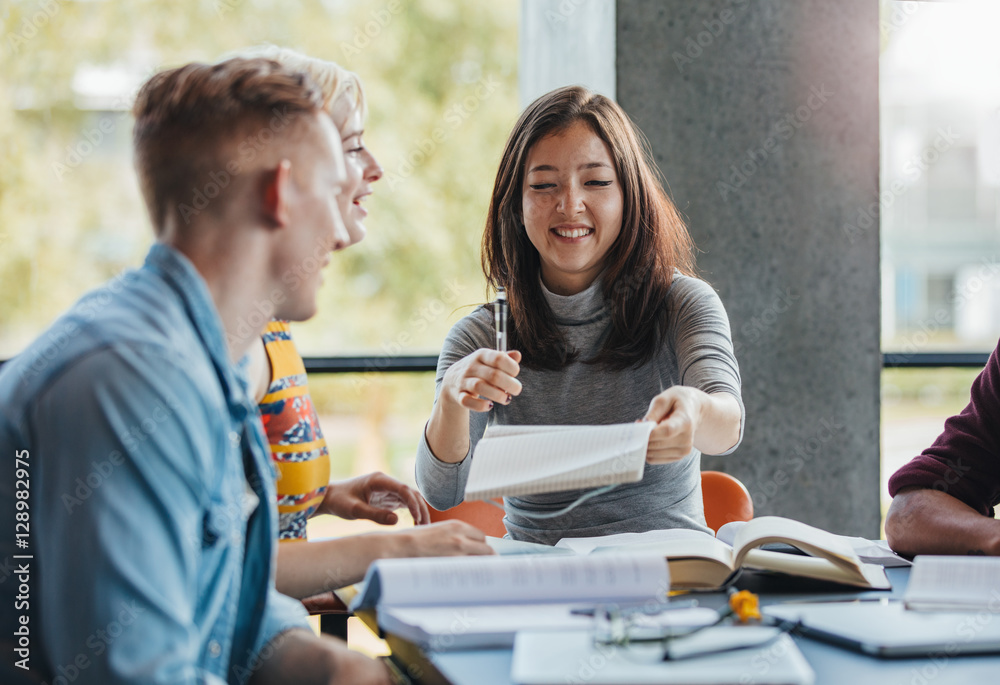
(688, 418)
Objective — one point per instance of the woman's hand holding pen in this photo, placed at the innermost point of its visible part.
(473, 383)
(687, 418)
(481, 379)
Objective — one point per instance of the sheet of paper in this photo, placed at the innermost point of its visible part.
(564, 656)
(948, 582)
(557, 459)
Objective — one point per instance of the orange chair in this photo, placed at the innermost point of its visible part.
(482, 515)
(726, 499)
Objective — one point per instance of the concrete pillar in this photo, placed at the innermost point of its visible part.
(763, 117)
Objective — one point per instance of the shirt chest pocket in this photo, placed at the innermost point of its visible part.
(225, 519)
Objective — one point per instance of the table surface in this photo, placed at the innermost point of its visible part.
(833, 665)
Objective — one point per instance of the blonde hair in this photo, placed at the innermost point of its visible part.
(333, 80)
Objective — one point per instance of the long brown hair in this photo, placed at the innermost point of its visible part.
(640, 265)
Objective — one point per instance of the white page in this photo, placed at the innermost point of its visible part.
(570, 656)
(458, 581)
(587, 545)
(506, 546)
(557, 458)
(809, 539)
(877, 552)
(953, 581)
(868, 551)
(503, 431)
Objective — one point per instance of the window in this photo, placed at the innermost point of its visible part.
(441, 82)
(940, 188)
(940, 119)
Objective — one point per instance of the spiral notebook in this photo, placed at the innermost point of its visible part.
(528, 460)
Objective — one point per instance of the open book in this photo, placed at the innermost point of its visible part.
(698, 560)
(954, 583)
(459, 602)
(526, 460)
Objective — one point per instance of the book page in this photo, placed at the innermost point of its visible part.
(505, 547)
(807, 567)
(868, 551)
(949, 582)
(814, 541)
(553, 459)
(621, 540)
(704, 547)
(455, 581)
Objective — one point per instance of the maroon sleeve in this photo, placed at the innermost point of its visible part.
(964, 461)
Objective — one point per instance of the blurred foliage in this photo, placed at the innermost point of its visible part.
(927, 389)
(70, 212)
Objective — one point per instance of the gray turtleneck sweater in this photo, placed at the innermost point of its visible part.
(698, 353)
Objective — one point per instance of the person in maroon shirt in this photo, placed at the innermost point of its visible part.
(944, 499)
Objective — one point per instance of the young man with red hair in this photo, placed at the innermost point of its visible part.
(146, 477)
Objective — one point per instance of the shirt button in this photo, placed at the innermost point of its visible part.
(234, 438)
(214, 648)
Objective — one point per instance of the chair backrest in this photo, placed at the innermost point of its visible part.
(482, 515)
(726, 499)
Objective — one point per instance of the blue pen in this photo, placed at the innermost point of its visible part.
(500, 319)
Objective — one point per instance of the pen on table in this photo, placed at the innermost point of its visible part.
(500, 319)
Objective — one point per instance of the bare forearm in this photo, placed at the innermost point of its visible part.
(719, 428)
(448, 432)
(932, 522)
(310, 568)
(298, 656)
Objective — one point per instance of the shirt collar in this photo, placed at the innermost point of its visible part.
(181, 275)
(583, 307)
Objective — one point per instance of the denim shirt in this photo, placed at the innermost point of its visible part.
(150, 527)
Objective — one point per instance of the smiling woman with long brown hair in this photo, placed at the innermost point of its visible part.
(607, 322)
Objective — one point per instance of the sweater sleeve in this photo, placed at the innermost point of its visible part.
(441, 483)
(703, 342)
(964, 461)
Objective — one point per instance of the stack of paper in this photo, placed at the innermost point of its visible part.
(950, 583)
(457, 602)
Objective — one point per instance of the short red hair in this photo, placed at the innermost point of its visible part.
(188, 119)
